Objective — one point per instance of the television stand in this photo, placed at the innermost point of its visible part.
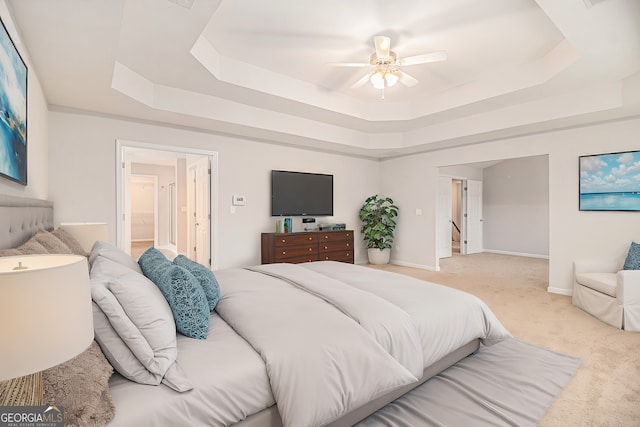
(307, 246)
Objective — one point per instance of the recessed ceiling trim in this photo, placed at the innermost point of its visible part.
(188, 4)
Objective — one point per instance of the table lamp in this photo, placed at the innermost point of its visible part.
(45, 319)
(87, 233)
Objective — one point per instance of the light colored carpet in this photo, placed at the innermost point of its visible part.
(606, 389)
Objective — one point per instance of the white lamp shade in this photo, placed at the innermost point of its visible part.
(87, 233)
(45, 312)
(377, 80)
(391, 79)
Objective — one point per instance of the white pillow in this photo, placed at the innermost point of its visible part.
(107, 250)
(139, 338)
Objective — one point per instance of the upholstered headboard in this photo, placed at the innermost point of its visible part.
(20, 218)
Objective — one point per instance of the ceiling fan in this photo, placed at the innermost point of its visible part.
(386, 65)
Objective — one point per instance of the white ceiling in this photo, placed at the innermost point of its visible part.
(260, 69)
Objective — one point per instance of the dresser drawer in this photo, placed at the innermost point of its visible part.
(282, 253)
(294, 239)
(343, 256)
(331, 246)
(331, 236)
(300, 259)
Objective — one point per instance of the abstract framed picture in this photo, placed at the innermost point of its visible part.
(13, 110)
(610, 182)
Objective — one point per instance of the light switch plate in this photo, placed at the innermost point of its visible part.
(238, 200)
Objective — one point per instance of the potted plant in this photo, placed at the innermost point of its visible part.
(377, 218)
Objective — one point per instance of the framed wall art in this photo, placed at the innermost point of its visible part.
(610, 182)
(13, 110)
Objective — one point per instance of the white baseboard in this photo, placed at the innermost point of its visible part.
(405, 264)
(409, 264)
(561, 291)
(493, 251)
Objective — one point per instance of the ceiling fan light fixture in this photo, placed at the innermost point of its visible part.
(377, 80)
(391, 79)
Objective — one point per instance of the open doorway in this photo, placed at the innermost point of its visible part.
(172, 168)
(456, 215)
(459, 216)
(144, 213)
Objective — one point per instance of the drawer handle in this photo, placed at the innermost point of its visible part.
(347, 245)
(348, 254)
(310, 238)
(326, 247)
(348, 234)
(284, 240)
(284, 252)
(326, 237)
(310, 249)
(326, 257)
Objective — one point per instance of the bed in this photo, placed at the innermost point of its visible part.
(321, 343)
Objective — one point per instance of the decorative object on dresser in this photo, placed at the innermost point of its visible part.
(378, 224)
(45, 319)
(307, 246)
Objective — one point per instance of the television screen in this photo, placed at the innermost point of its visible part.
(610, 182)
(300, 194)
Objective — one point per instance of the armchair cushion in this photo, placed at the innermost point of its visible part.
(601, 282)
(633, 257)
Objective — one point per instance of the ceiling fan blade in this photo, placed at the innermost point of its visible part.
(383, 45)
(424, 58)
(349, 64)
(406, 79)
(361, 82)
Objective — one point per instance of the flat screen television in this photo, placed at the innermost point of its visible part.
(610, 182)
(301, 194)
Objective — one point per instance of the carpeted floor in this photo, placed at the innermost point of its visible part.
(606, 389)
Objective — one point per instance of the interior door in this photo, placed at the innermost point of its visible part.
(474, 233)
(444, 216)
(126, 204)
(200, 215)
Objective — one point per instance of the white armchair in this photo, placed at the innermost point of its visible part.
(607, 292)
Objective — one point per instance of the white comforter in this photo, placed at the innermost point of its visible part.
(334, 336)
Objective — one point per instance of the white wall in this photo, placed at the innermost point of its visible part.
(412, 182)
(37, 126)
(516, 206)
(84, 190)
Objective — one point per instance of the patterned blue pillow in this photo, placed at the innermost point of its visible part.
(633, 257)
(182, 291)
(205, 277)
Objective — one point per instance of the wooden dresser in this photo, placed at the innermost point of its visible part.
(307, 246)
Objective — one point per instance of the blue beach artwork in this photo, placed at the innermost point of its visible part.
(13, 111)
(610, 182)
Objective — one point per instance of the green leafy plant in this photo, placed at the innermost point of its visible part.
(377, 217)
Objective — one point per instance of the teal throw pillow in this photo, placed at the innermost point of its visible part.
(182, 291)
(633, 257)
(205, 277)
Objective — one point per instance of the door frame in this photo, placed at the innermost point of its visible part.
(122, 145)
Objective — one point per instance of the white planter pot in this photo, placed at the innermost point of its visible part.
(379, 256)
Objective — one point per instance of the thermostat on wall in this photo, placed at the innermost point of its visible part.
(238, 201)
